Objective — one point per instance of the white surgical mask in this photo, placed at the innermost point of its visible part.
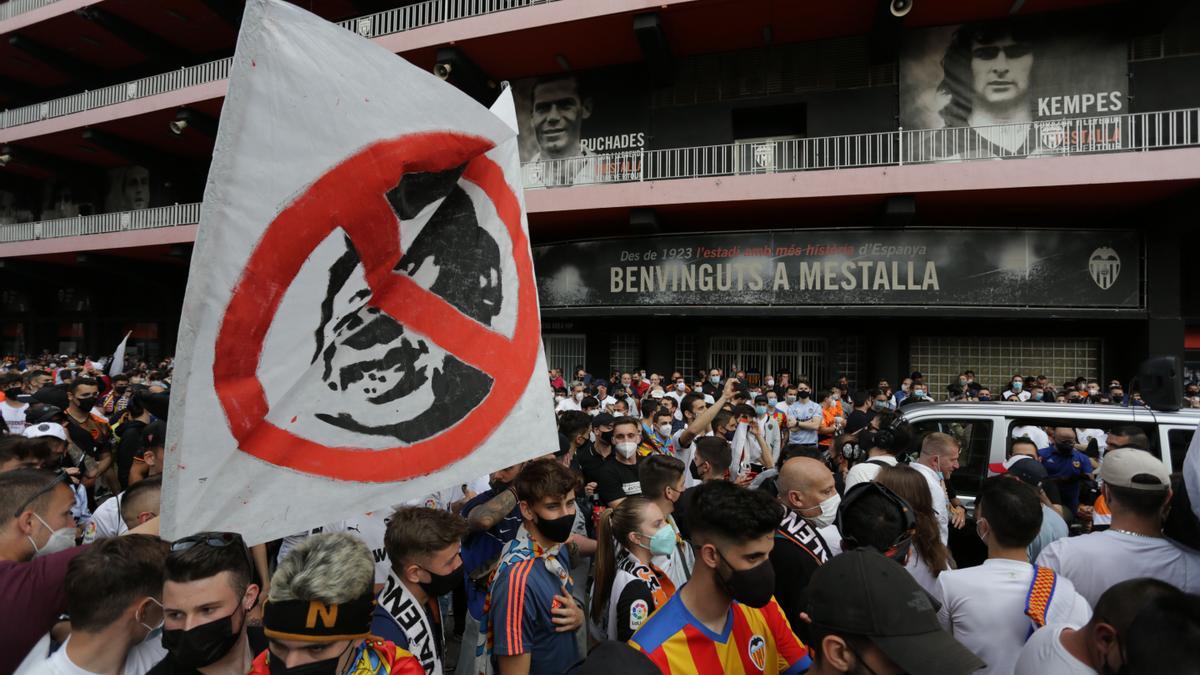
(626, 449)
(579, 396)
(828, 513)
(770, 383)
(60, 540)
(679, 386)
(594, 411)
(664, 429)
(559, 399)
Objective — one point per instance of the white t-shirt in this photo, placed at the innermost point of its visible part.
(568, 403)
(865, 471)
(106, 522)
(14, 417)
(920, 571)
(1033, 433)
(1044, 653)
(683, 454)
(983, 607)
(140, 659)
(1085, 435)
(941, 505)
(1021, 396)
(1098, 561)
(370, 528)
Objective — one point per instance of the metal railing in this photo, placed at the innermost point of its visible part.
(1065, 137)
(14, 7)
(102, 223)
(1139, 132)
(387, 22)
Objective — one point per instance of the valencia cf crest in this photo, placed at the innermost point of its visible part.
(1105, 267)
(757, 649)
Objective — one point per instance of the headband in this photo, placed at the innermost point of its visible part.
(315, 621)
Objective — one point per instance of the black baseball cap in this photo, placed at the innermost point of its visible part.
(1029, 470)
(37, 413)
(860, 592)
(603, 420)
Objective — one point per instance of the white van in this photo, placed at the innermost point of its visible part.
(984, 430)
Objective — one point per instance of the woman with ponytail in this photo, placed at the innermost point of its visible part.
(628, 586)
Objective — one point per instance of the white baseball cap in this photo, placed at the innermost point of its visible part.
(44, 429)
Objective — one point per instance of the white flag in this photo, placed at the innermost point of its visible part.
(117, 365)
(361, 323)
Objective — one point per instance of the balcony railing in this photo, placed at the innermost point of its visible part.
(387, 22)
(1138, 132)
(14, 7)
(1117, 133)
(102, 223)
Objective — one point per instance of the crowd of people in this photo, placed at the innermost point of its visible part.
(718, 524)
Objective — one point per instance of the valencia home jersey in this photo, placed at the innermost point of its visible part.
(754, 641)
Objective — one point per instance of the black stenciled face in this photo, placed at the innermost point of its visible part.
(366, 352)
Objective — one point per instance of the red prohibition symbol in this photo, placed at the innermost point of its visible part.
(351, 196)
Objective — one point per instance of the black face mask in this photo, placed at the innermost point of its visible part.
(441, 584)
(85, 403)
(802, 394)
(203, 645)
(325, 667)
(557, 530)
(119, 388)
(13, 393)
(752, 587)
(1064, 447)
(606, 436)
(694, 470)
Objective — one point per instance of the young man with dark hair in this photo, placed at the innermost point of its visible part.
(208, 593)
(142, 502)
(1099, 645)
(108, 520)
(617, 477)
(423, 546)
(725, 619)
(869, 616)
(993, 607)
(661, 478)
(699, 418)
(13, 409)
(82, 415)
(710, 462)
(113, 591)
(1137, 487)
(532, 614)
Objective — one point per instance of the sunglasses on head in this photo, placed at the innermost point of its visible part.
(1013, 51)
(61, 479)
(214, 540)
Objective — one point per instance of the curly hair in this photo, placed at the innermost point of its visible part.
(332, 567)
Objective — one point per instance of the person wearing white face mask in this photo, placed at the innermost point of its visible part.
(114, 592)
(617, 477)
(37, 543)
(571, 402)
(810, 499)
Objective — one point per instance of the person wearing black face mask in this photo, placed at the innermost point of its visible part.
(13, 408)
(83, 395)
(317, 617)
(209, 589)
(733, 534)
(532, 612)
(424, 548)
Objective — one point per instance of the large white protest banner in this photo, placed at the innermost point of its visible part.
(361, 323)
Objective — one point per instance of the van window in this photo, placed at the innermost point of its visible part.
(974, 438)
(1179, 440)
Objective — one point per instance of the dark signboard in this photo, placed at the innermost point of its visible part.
(932, 267)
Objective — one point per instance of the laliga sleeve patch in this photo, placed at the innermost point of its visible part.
(638, 611)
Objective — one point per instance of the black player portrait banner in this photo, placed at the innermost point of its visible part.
(936, 267)
(1011, 84)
